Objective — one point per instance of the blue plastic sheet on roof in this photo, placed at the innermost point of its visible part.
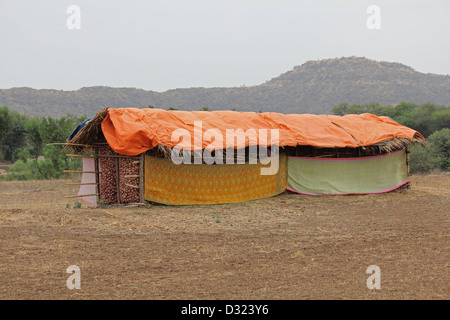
(77, 129)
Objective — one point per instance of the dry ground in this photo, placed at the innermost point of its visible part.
(3, 166)
(285, 247)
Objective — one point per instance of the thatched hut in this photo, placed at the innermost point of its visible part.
(133, 150)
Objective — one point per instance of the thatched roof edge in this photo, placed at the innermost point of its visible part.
(91, 134)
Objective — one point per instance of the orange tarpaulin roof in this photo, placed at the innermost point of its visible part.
(131, 131)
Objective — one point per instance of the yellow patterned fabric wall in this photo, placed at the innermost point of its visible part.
(185, 184)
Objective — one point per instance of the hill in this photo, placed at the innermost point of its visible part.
(314, 87)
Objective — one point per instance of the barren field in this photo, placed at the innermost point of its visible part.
(285, 247)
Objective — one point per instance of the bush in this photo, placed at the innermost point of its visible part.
(420, 159)
(440, 148)
(436, 156)
(43, 169)
(21, 170)
(46, 170)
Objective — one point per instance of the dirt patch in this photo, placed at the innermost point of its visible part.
(286, 247)
(4, 165)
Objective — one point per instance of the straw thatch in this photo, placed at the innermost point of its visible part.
(394, 144)
(381, 148)
(91, 135)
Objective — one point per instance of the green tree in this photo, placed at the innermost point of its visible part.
(403, 110)
(420, 159)
(5, 123)
(15, 135)
(341, 109)
(440, 148)
(421, 119)
(25, 139)
(441, 118)
(34, 137)
(56, 131)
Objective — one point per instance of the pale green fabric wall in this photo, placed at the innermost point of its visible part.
(346, 176)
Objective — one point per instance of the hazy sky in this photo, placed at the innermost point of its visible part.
(167, 44)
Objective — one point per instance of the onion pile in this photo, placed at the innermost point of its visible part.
(128, 194)
(108, 187)
(108, 178)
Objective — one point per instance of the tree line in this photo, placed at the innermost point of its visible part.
(432, 121)
(28, 142)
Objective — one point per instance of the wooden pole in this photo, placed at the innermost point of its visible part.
(79, 156)
(97, 172)
(80, 184)
(117, 181)
(132, 204)
(70, 144)
(131, 186)
(101, 156)
(117, 156)
(407, 159)
(81, 196)
(141, 178)
(75, 171)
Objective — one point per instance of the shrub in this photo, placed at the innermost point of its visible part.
(420, 159)
(440, 148)
(21, 170)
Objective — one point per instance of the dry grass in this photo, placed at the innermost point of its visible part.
(89, 134)
(286, 247)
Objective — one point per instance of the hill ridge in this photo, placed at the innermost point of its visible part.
(313, 87)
